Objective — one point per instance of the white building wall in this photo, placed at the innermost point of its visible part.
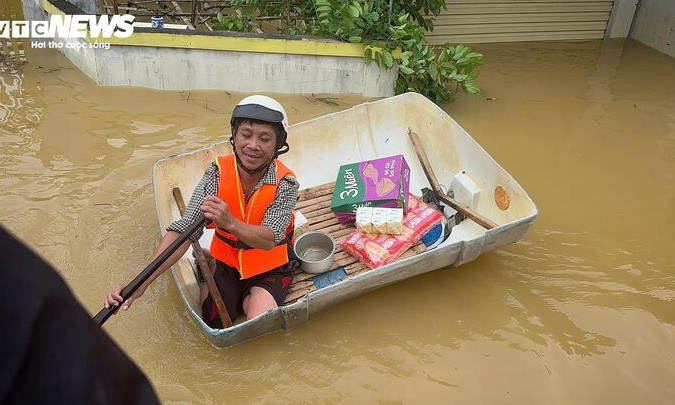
(654, 25)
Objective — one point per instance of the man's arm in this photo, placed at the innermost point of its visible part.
(256, 236)
(115, 298)
(207, 185)
(278, 214)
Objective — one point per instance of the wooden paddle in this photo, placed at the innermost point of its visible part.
(143, 276)
(206, 269)
(436, 185)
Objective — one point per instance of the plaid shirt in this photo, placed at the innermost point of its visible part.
(277, 215)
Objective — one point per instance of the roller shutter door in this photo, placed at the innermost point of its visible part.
(480, 21)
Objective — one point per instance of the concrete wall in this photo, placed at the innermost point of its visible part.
(33, 11)
(202, 69)
(88, 6)
(620, 19)
(654, 25)
(176, 60)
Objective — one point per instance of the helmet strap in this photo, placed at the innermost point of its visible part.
(282, 149)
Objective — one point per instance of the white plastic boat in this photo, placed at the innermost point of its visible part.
(318, 148)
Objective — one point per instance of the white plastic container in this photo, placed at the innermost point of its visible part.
(465, 190)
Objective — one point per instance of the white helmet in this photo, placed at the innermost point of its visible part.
(263, 108)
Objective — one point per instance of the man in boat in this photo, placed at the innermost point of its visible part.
(249, 196)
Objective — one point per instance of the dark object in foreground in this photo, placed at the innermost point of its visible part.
(52, 352)
(131, 288)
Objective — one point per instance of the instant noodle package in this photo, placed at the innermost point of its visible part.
(381, 182)
(376, 250)
(379, 220)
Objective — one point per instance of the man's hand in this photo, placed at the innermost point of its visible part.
(217, 211)
(114, 299)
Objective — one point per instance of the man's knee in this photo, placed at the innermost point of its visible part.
(258, 302)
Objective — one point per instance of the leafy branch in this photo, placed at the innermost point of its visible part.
(437, 72)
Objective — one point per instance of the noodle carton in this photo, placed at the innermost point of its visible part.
(381, 182)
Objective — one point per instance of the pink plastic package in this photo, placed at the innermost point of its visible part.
(375, 250)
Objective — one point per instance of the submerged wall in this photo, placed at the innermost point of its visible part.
(88, 6)
(187, 60)
(185, 69)
(621, 18)
(33, 11)
(654, 25)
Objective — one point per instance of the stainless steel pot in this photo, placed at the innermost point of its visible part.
(315, 250)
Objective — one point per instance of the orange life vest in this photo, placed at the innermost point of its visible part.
(224, 245)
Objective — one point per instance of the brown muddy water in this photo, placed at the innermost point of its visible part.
(580, 311)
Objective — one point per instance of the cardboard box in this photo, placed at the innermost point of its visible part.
(381, 182)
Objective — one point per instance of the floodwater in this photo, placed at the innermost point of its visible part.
(580, 311)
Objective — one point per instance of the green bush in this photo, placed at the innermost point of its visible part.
(437, 72)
